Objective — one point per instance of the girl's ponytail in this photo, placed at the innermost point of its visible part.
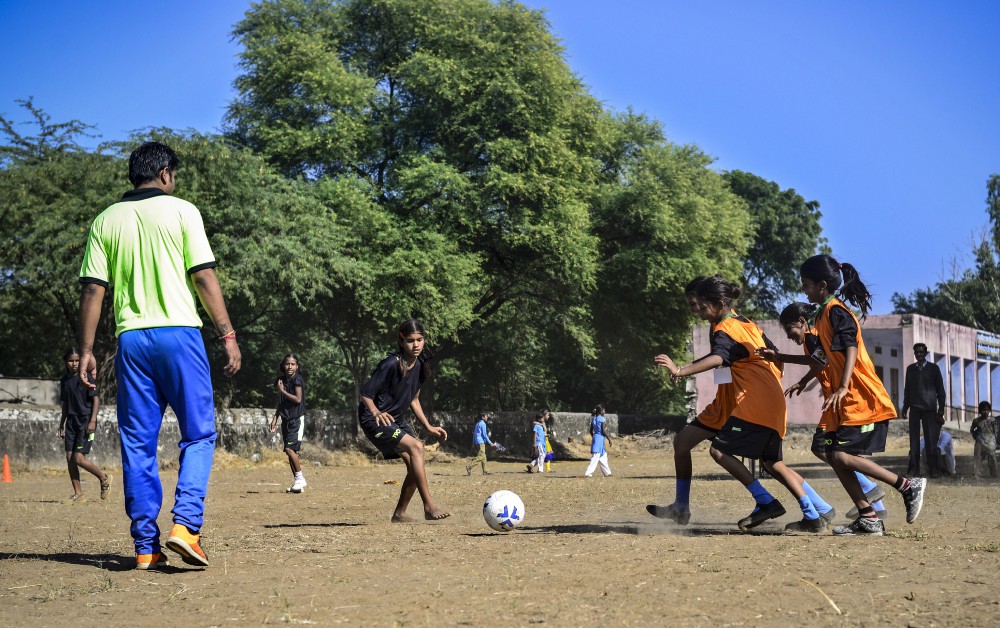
(854, 290)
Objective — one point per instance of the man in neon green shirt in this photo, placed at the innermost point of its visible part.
(152, 251)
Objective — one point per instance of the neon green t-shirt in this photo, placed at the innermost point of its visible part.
(144, 247)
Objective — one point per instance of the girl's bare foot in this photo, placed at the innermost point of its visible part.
(435, 514)
(401, 518)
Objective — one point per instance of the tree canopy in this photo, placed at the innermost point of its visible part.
(384, 159)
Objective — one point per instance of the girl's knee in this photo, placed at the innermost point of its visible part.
(716, 454)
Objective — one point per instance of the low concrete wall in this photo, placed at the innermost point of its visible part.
(28, 433)
(39, 392)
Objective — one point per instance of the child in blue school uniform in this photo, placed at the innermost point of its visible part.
(598, 451)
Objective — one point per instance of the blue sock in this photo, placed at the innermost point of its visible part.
(683, 497)
(866, 482)
(807, 508)
(760, 494)
(817, 501)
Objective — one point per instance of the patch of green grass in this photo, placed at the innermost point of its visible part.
(984, 547)
(907, 535)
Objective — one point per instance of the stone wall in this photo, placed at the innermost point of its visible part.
(28, 433)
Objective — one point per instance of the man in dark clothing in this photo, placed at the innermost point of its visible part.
(923, 399)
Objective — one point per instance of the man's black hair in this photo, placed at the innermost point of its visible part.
(146, 162)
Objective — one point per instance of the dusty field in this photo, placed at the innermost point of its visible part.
(588, 553)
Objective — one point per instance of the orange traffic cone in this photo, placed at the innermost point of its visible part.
(6, 470)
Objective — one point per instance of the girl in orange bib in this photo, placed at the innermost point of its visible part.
(859, 407)
(755, 425)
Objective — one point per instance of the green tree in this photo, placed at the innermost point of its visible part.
(460, 119)
(786, 231)
(972, 296)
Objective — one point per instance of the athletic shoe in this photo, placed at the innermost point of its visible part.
(760, 514)
(529, 468)
(808, 525)
(829, 515)
(468, 470)
(672, 512)
(862, 526)
(75, 499)
(877, 494)
(106, 486)
(913, 498)
(186, 544)
(150, 561)
(297, 487)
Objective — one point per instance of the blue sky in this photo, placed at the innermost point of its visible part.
(885, 113)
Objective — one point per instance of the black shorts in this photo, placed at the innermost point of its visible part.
(859, 440)
(749, 440)
(292, 431)
(386, 437)
(819, 441)
(702, 426)
(75, 436)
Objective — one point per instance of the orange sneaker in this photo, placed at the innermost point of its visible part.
(150, 561)
(186, 544)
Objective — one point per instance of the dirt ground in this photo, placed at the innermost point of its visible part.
(587, 553)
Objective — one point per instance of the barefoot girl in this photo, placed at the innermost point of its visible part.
(860, 405)
(77, 425)
(756, 425)
(393, 387)
(292, 412)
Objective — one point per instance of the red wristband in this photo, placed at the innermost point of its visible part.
(230, 336)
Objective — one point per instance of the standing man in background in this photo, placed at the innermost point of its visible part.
(923, 400)
(152, 251)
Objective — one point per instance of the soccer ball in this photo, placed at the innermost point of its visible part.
(503, 511)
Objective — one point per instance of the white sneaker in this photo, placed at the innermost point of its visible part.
(297, 487)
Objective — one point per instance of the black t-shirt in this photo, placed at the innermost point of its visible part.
(815, 350)
(390, 391)
(288, 409)
(845, 329)
(75, 397)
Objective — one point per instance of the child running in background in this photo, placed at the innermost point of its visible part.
(984, 432)
(393, 387)
(538, 444)
(550, 454)
(756, 426)
(292, 412)
(598, 451)
(480, 439)
(794, 321)
(860, 406)
(77, 425)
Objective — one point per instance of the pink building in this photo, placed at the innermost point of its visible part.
(969, 360)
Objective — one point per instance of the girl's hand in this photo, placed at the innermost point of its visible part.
(383, 418)
(439, 432)
(281, 385)
(59, 433)
(663, 360)
(796, 388)
(274, 423)
(92, 427)
(834, 400)
(768, 354)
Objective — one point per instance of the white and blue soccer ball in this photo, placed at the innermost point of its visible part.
(503, 511)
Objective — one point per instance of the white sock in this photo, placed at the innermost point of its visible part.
(299, 476)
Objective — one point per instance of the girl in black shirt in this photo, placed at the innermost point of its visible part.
(393, 386)
(292, 412)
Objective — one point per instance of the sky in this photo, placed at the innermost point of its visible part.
(886, 113)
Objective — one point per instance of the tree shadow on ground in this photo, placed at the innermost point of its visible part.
(110, 562)
(334, 524)
(637, 529)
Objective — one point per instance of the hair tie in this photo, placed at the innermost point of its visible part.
(840, 267)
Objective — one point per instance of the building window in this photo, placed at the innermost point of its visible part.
(878, 349)
(893, 353)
